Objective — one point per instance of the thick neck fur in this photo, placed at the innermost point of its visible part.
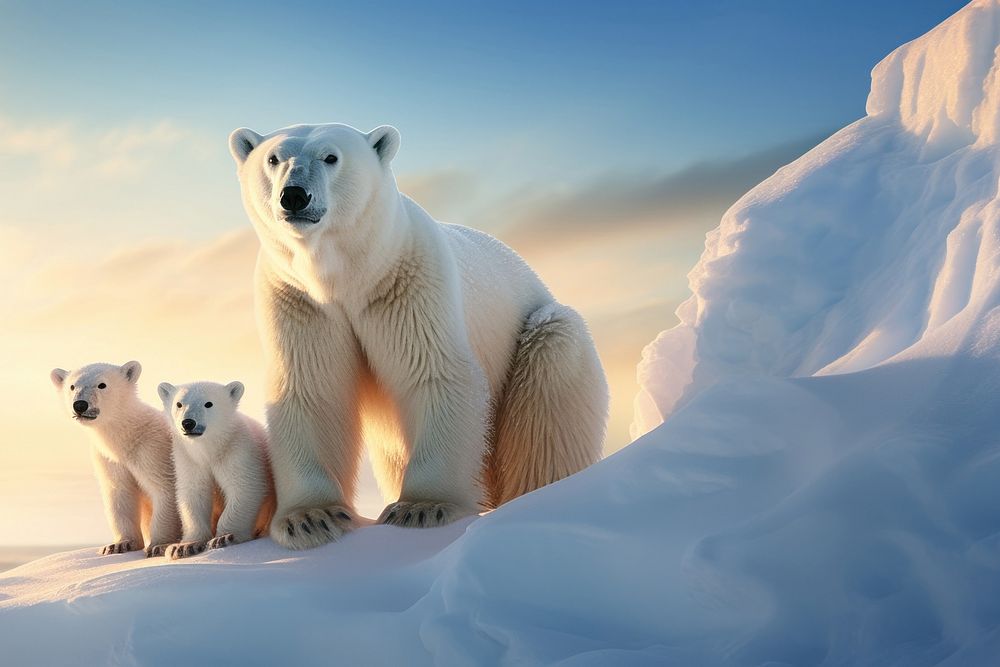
(215, 443)
(119, 438)
(337, 259)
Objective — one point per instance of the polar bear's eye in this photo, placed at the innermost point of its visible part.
(102, 386)
(273, 160)
(179, 404)
(330, 159)
(209, 404)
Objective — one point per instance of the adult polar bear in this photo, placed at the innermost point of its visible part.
(372, 313)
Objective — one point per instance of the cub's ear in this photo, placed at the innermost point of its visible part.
(58, 377)
(241, 144)
(166, 392)
(384, 139)
(235, 390)
(131, 371)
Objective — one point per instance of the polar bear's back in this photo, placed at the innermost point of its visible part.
(506, 291)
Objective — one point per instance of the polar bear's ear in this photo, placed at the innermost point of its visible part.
(235, 390)
(58, 377)
(166, 391)
(241, 144)
(384, 139)
(131, 371)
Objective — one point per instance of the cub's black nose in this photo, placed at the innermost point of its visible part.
(188, 424)
(294, 198)
(79, 407)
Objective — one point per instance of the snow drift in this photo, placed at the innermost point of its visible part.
(823, 491)
(879, 244)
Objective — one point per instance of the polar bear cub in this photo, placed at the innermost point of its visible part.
(221, 458)
(131, 454)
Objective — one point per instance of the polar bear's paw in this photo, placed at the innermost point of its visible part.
(421, 514)
(155, 550)
(308, 528)
(222, 541)
(120, 547)
(186, 549)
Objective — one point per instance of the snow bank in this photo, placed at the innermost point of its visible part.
(823, 492)
(879, 243)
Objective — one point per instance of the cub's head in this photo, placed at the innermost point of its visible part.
(201, 408)
(97, 393)
(305, 178)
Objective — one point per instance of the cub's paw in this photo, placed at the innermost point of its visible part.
(308, 528)
(120, 547)
(156, 550)
(222, 541)
(421, 514)
(186, 549)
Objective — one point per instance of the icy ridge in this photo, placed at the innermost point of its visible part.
(880, 241)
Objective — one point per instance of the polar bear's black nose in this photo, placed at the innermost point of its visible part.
(188, 424)
(294, 198)
(79, 407)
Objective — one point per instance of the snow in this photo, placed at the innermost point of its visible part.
(878, 245)
(817, 482)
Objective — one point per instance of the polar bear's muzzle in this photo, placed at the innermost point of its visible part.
(192, 428)
(295, 198)
(295, 202)
(84, 411)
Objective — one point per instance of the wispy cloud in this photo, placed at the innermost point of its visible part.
(618, 204)
(86, 152)
(124, 182)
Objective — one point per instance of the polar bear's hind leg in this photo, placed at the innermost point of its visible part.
(552, 417)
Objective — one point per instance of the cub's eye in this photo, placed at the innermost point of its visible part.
(179, 404)
(209, 404)
(102, 386)
(330, 159)
(72, 387)
(273, 160)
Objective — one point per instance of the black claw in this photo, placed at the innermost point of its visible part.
(310, 520)
(440, 514)
(391, 516)
(290, 528)
(408, 516)
(325, 527)
(305, 527)
(421, 518)
(343, 516)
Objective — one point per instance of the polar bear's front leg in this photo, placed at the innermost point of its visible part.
(243, 481)
(415, 340)
(164, 524)
(312, 416)
(195, 498)
(121, 505)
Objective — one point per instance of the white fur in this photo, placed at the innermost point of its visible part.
(223, 451)
(368, 307)
(131, 454)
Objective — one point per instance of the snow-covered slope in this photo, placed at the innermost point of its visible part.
(825, 490)
(878, 244)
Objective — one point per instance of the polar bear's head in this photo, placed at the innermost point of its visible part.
(201, 408)
(305, 178)
(98, 392)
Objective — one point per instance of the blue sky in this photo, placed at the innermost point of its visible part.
(590, 85)
(601, 140)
